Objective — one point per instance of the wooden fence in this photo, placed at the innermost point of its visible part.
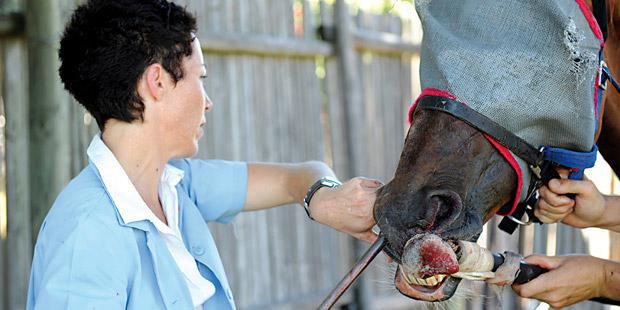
(282, 94)
(271, 105)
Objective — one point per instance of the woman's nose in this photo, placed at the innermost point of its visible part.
(208, 103)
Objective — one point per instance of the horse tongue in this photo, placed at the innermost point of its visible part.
(428, 255)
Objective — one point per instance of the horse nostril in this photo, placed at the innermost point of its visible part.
(444, 208)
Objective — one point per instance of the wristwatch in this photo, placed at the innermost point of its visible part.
(322, 182)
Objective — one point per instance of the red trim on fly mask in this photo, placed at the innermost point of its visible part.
(500, 148)
(429, 92)
(591, 20)
(513, 163)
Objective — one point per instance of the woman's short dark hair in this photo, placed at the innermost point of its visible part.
(107, 45)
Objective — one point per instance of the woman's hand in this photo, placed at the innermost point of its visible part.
(348, 208)
(585, 210)
(571, 279)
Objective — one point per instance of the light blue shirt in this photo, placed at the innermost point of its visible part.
(87, 257)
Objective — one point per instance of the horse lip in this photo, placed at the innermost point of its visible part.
(444, 291)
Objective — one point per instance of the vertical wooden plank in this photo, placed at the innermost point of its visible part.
(269, 115)
(367, 70)
(283, 92)
(276, 256)
(282, 153)
(309, 96)
(349, 75)
(325, 14)
(308, 20)
(49, 148)
(339, 148)
(263, 103)
(248, 221)
(302, 148)
(299, 149)
(372, 68)
(16, 250)
(19, 236)
(333, 111)
(4, 212)
(239, 230)
(313, 101)
(263, 106)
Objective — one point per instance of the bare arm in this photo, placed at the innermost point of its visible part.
(611, 289)
(271, 185)
(347, 208)
(611, 216)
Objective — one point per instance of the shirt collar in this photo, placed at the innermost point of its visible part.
(130, 205)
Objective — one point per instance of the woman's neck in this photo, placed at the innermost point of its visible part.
(139, 153)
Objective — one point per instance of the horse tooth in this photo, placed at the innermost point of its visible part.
(431, 281)
(441, 277)
(405, 276)
(412, 280)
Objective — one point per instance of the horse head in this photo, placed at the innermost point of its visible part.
(453, 174)
(449, 181)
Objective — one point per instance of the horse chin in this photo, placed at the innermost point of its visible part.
(437, 288)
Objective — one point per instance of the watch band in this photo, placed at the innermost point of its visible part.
(320, 183)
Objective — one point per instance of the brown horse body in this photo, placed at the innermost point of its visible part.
(450, 180)
(610, 129)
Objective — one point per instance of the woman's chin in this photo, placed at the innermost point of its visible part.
(187, 151)
(193, 151)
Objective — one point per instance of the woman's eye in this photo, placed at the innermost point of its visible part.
(203, 76)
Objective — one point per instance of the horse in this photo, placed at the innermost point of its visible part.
(451, 179)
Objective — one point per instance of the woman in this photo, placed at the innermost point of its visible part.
(129, 232)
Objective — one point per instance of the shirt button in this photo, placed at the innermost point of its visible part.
(198, 250)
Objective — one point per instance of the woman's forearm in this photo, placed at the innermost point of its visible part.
(276, 184)
(611, 289)
(611, 218)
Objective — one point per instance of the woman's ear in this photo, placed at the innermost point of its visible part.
(152, 83)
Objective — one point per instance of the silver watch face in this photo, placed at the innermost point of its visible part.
(322, 182)
(329, 181)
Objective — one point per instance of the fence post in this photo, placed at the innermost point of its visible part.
(18, 252)
(19, 238)
(49, 114)
(354, 115)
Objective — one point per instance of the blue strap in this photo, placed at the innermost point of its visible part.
(571, 159)
(607, 76)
